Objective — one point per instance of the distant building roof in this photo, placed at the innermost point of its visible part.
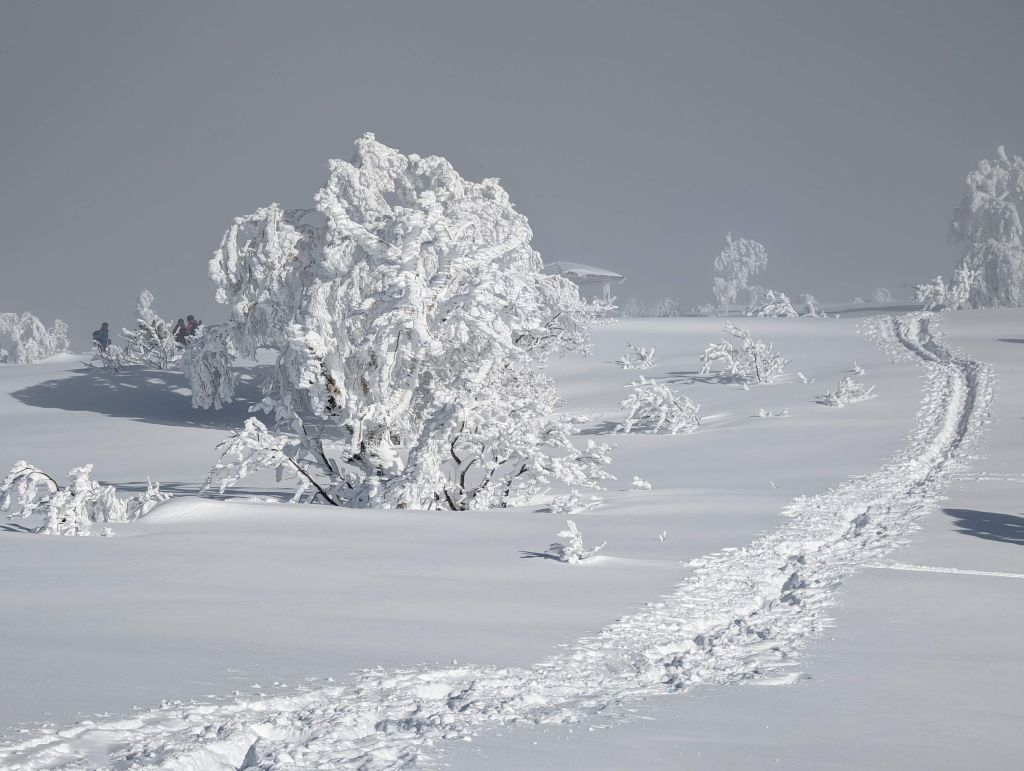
(584, 274)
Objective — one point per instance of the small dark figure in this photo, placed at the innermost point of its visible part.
(193, 326)
(101, 336)
(180, 331)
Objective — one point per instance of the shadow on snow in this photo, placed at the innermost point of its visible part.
(990, 525)
(149, 396)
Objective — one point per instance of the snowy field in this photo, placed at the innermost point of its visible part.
(216, 634)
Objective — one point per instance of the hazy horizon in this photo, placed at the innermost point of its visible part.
(633, 136)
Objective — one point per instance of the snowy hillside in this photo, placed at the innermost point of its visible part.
(236, 613)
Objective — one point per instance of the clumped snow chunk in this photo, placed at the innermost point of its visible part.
(654, 407)
(74, 508)
(573, 551)
(847, 392)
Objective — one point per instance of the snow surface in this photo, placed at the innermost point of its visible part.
(202, 598)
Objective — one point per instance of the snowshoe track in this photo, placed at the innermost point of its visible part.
(742, 614)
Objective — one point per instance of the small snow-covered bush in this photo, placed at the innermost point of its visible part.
(641, 484)
(637, 358)
(774, 305)
(153, 343)
(764, 413)
(752, 361)
(654, 407)
(32, 341)
(572, 503)
(847, 392)
(573, 551)
(882, 295)
(74, 508)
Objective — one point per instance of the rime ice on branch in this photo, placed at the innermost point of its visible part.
(32, 341)
(412, 322)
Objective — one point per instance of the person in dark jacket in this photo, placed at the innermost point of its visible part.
(101, 336)
(180, 331)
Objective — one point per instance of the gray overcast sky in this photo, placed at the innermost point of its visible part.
(633, 134)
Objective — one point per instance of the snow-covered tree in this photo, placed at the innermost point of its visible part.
(847, 392)
(751, 361)
(412, 322)
(811, 307)
(737, 262)
(667, 308)
(75, 507)
(988, 223)
(637, 358)
(936, 295)
(652, 407)
(151, 345)
(32, 341)
(882, 295)
(573, 550)
(634, 308)
(775, 305)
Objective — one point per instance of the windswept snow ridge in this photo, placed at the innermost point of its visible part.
(742, 614)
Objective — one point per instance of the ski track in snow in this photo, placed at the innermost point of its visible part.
(743, 614)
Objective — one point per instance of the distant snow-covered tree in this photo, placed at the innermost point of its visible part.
(667, 308)
(774, 305)
(151, 345)
(811, 307)
(882, 295)
(847, 392)
(412, 322)
(737, 262)
(75, 507)
(988, 224)
(751, 361)
(634, 308)
(654, 407)
(637, 358)
(32, 341)
(573, 550)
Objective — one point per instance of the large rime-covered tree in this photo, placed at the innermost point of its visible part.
(412, 322)
(988, 223)
(739, 259)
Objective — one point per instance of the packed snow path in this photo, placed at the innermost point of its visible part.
(742, 614)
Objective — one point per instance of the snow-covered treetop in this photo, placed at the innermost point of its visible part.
(993, 198)
(740, 259)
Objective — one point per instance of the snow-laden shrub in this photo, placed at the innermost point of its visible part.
(737, 262)
(573, 551)
(882, 295)
(413, 322)
(653, 407)
(634, 308)
(847, 392)
(32, 341)
(988, 223)
(637, 358)
(765, 413)
(772, 304)
(151, 345)
(751, 361)
(640, 484)
(811, 307)
(75, 507)
(573, 503)
(936, 295)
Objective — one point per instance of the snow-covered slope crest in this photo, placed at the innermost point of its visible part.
(741, 614)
